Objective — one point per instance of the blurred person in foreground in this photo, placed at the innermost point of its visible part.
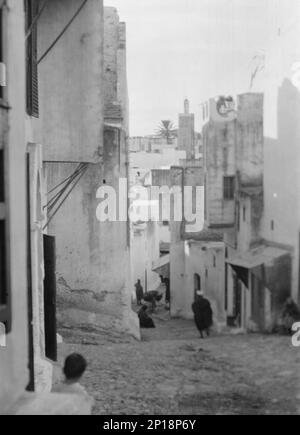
(73, 370)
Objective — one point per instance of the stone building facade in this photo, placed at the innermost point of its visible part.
(88, 250)
(61, 140)
(191, 258)
(196, 256)
(257, 271)
(280, 83)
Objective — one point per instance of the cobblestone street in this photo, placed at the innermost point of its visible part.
(172, 371)
(149, 209)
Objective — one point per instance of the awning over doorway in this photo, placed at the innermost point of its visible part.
(242, 273)
(256, 257)
(270, 265)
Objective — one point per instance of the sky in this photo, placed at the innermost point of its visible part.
(195, 49)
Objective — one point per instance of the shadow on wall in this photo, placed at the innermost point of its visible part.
(282, 177)
(282, 160)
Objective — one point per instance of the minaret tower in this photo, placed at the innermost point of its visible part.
(186, 131)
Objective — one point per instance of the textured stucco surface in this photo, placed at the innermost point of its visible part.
(70, 82)
(92, 256)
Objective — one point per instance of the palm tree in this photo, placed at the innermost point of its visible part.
(167, 130)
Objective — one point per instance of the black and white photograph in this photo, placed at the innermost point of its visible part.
(149, 210)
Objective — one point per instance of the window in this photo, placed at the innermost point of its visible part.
(197, 282)
(32, 99)
(215, 261)
(228, 188)
(272, 225)
(244, 213)
(238, 212)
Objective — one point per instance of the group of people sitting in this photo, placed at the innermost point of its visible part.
(148, 301)
(203, 314)
(152, 296)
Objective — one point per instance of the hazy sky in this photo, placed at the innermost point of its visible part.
(192, 48)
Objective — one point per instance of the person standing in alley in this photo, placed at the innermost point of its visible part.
(203, 314)
(139, 291)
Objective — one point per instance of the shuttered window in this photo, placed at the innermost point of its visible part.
(228, 187)
(31, 10)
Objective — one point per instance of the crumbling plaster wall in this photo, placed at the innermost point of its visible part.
(111, 44)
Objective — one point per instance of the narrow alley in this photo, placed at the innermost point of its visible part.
(149, 208)
(171, 371)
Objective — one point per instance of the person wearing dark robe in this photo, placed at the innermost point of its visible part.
(139, 291)
(203, 314)
(144, 318)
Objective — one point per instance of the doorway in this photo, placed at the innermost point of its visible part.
(257, 302)
(197, 284)
(237, 300)
(50, 297)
